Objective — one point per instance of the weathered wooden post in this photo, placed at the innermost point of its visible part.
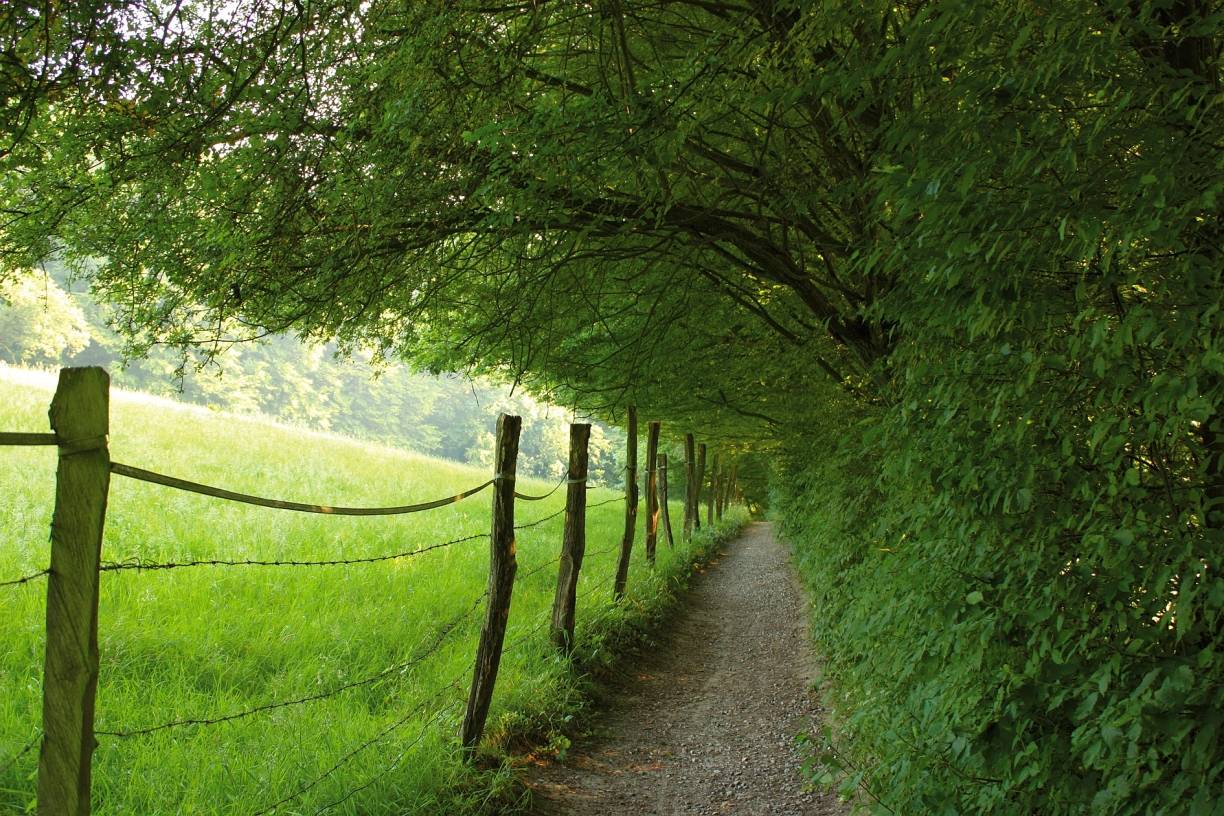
(690, 474)
(652, 490)
(715, 471)
(573, 544)
(662, 466)
(701, 466)
(720, 503)
(631, 503)
(502, 566)
(80, 419)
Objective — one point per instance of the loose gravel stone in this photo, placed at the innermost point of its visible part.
(705, 723)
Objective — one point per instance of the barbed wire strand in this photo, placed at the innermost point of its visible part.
(394, 763)
(112, 566)
(540, 521)
(220, 493)
(378, 737)
(25, 749)
(25, 579)
(560, 512)
(420, 657)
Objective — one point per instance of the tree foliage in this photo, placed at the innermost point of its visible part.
(959, 264)
(39, 323)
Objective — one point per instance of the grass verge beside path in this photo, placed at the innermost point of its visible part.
(372, 662)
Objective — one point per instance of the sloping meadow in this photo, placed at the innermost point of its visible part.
(246, 688)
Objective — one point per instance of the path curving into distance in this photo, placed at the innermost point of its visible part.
(705, 723)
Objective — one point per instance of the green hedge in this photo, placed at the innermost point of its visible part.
(1014, 550)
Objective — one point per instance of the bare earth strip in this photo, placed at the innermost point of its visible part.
(706, 725)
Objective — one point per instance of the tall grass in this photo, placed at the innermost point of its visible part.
(206, 642)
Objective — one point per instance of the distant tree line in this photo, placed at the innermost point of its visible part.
(49, 319)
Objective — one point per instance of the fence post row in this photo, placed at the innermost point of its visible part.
(652, 490)
(701, 467)
(662, 467)
(631, 503)
(502, 566)
(573, 543)
(80, 419)
(690, 474)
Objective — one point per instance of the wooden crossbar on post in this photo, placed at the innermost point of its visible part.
(80, 419)
(652, 490)
(631, 503)
(573, 542)
(502, 566)
(662, 466)
(690, 473)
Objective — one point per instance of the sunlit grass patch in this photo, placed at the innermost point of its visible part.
(208, 643)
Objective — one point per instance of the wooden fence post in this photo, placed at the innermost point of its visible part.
(573, 545)
(720, 503)
(80, 419)
(652, 490)
(713, 497)
(690, 473)
(631, 503)
(701, 466)
(502, 566)
(662, 466)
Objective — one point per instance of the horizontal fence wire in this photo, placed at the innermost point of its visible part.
(523, 576)
(24, 439)
(394, 763)
(539, 521)
(561, 512)
(216, 492)
(25, 579)
(113, 566)
(25, 749)
(374, 740)
(434, 645)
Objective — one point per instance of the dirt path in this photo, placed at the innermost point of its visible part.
(707, 723)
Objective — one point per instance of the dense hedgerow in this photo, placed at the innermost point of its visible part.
(1014, 555)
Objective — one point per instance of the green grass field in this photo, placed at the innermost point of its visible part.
(206, 642)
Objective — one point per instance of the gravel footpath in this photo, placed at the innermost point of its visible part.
(706, 722)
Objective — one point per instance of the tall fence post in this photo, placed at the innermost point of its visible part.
(631, 503)
(690, 475)
(715, 466)
(697, 484)
(720, 501)
(652, 490)
(80, 418)
(502, 566)
(662, 467)
(573, 544)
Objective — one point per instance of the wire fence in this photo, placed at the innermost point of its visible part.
(74, 462)
(113, 566)
(422, 654)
